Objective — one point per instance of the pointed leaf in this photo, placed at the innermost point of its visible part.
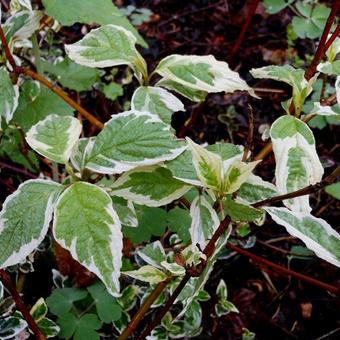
(54, 137)
(204, 221)
(39, 310)
(152, 186)
(157, 101)
(148, 274)
(125, 211)
(153, 254)
(207, 164)
(316, 233)
(9, 96)
(81, 152)
(86, 225)
(241, 212)
(297, 162)
(131, 139)
(203, 73)
(24, 219)
(237, 173)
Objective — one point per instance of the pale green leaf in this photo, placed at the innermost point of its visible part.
(236, 174)
(49, 328)
(22, 25)
(153, 254)
(125, 211)
(314, 232)
(291, 76)
(255, 189)
(187, 92)
(9, 96)
(330, 68)
(152, 186)
(334, 49)
(174, 268)
(86, 224)
(54, 137)
(107, 46)
(81, 151)
(208, 165)
(157, 101)
(275, 6)
(334, 190)
(204, 221)
(131, 139)
(203, 73)
(102, 12)
(24, 219)
(297, 162)
(148, 274)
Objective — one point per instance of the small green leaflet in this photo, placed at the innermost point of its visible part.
(71, 75)
(330, 68)
(334, 49)
(86, 225)
(202, 73)
(334, 190)
(107, 46)
(255, 189)
(297, 162)
(173, 268)
(9, 96)
(240, 212)
(148, 274)
(116, 149)
(208, 165)
(11, 326)
(152, 186)
(316, 233)
(17, 5)
(22, 25)
(275, 6)
(54, 137)
(83, 328)
(24, 219)
(36, 103)
(204, 221)
(153, 254)
(291, 76)
(107, 307)
(157, 101)
(101, 12)
(192, 94)
(39, 310)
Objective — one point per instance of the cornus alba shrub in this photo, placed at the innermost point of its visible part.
(148, 166)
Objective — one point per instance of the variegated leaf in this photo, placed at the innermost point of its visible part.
(131, 139)
(107, 46)
(153, 186)
(9, 96)
(236, 174)
(153, 254)
(54, 137)
(208, 165)
(148, 274)
(204, 221)
(25, 218)
(81, 151)
(316, 233)
(203, 73)
(86, 224)
(297, 162)
(157, 101)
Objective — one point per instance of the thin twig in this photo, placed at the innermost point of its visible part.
(58, 91)
(143, 309)
(252, 9)
(210, 247)
(4, 277)
(18, 170)
(250, 137)
(284, 270)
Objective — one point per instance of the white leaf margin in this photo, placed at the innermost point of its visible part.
(25, 250)
(311, 244)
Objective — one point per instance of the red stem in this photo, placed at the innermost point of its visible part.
(283, 270)
(252, 9)
(4, 277)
